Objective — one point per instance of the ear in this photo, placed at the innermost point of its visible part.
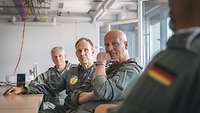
(93, 51)
(126, 44)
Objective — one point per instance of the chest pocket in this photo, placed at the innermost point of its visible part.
(80, 80)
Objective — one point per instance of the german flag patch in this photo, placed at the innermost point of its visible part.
(161, 74)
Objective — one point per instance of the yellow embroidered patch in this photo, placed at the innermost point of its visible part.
(73, 80)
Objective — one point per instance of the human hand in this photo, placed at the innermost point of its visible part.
(103, 57)
(86, 97)
(15, 90)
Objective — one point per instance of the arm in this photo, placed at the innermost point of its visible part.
(40, 88)
(86, 97)
(104, 108)
(52, 86)
(40, 79)
(15, 90)
(49, 88)
(78, 97)
(102, 59)
(115, 87)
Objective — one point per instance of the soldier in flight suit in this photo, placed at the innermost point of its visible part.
(76, 79)
(171, 82)
(53, 74)
(111, 85)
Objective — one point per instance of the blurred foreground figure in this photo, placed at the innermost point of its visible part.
(171, 82)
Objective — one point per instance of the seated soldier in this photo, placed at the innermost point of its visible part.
(110, 85)
(76, 79)
(53, 74)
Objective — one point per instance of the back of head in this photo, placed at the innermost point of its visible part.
(184, 13)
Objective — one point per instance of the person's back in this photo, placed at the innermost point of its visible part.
(170, 83)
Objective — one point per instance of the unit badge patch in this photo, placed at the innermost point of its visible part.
(73, 80)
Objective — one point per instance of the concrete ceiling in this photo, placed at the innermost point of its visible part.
(70, 10)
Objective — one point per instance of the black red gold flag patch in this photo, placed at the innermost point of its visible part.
(161, 75)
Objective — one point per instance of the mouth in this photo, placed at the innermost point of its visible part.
(113, 55)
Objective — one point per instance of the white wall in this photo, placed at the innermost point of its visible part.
(39, 39)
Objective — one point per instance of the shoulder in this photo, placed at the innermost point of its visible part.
(73, 69)
(131, 65)
(51, 69)
(73, 65)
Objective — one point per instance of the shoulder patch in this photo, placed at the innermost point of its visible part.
(161, 74)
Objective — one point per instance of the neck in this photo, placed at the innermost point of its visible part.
(86, 66)
(61, 67)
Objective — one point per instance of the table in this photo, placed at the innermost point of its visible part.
(19, 103)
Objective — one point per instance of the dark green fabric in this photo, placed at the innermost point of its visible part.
(114, 85)
(51, 75)
(181, 61)
(51, 88)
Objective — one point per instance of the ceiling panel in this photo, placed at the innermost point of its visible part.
(97, 10)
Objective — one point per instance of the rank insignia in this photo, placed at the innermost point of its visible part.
(73, 80)
(161, 74)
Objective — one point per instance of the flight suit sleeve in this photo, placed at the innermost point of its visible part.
(115, 88)
(49, 88)
(40, 79)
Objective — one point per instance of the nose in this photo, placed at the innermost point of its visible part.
(57, 58)
(82, 52)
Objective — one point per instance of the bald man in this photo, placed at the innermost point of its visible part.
(171, 82)
(111, 85)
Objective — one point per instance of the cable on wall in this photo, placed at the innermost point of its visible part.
(26, 7)
(21, 48)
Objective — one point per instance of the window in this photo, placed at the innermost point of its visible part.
(156, 28)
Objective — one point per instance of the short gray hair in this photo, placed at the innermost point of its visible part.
(57, 48)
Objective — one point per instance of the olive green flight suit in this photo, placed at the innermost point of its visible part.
(51, 75)
(114, 86)
(171, 82)
(74, 80)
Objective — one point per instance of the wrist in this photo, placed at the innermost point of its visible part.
(100, 63)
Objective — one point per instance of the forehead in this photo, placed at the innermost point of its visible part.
(83, 44)
(57, 51)
(111, 38)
